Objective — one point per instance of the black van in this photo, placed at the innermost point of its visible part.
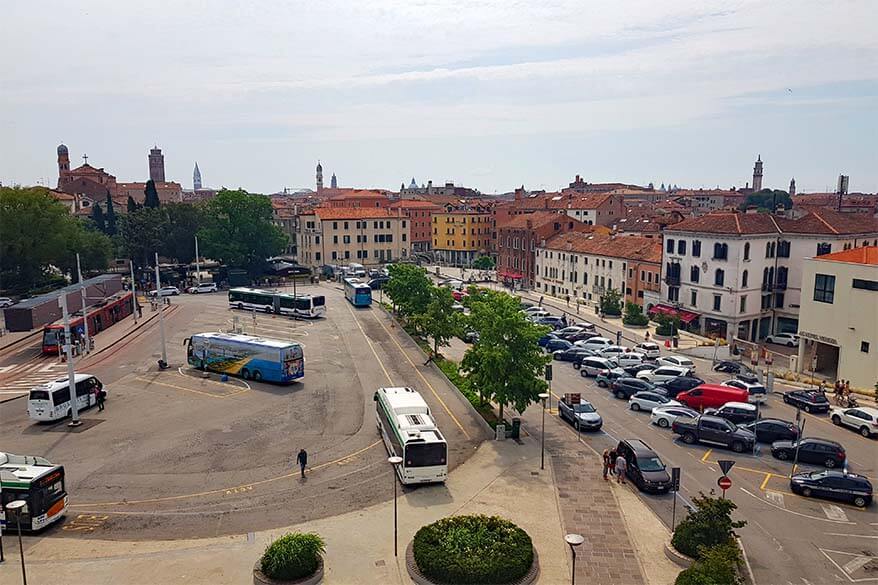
(645, 468)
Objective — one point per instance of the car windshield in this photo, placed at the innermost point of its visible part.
(650, 464)
(580, 408)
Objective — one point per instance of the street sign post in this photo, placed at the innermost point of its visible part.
(725, 465)
(724, 483)
(675, 487)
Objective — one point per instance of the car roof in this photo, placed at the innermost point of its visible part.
(745, 405)
(821, 441)
(639, 447)
(867, 409)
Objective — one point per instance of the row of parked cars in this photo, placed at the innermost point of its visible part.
(725, 414)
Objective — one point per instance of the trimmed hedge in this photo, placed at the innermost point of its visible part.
(292, 556)
(473, 549)
(716, 566)
(709, 525)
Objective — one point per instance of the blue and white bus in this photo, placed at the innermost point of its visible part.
(267, 301)
(357, 293)
(252, 358)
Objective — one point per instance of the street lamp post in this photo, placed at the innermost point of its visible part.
(158, 294)
(543, 397)
(574, 540)
(395, 461)
(84, 312)
(15, 507)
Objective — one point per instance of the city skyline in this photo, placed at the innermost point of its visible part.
(513, 95)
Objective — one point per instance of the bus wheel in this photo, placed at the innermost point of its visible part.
(268, 310)
(257, 375)
(245, 373)
(240, 306)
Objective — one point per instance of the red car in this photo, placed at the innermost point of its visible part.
(459, 295)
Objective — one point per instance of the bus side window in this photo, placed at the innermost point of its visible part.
(375, 397)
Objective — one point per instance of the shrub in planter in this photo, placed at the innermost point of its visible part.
(634, 315)
(667, 326)
(292, 556)
(709, 525)
(611, 303)
(473, 549)
(717, 566)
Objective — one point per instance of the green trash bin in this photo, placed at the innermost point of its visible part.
(515, 431)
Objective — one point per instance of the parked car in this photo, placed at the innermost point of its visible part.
(713, 430)
(649, 400)
(863, 419)
(545, 339)
(664, 416)
(641, 367)
(662, 373)
(595, 343)
(787, 339)
(649, 349)
(583, 335)
(611, 351)
(458, 307)
(769, 430)
(529, 310)
(471, 337)
(833, 485)
(582, 416)
(593, 365)
(807, 400)
(6, 302)
(729, 367)
(571, 354)
(605, 378)
(459, 295)
(758, 393)
(679, 384)
(675, 360)
(379, 281)
(577, 363)
(811, 450)
(204, 287)
(624, 387)
(738, 412)
(586, 325)
(711, 396)
(568, 331)
(165, 291)
(631, 358)
(645, 468)
(535, 315)
(552, 321)
(554, 345)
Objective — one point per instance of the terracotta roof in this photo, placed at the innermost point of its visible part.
(574, 200)
(537, 219)
(358, 194)
(414, 204)
(628, 247)
(829, 222)
(330, 213)
(864, 255)
(816, 221)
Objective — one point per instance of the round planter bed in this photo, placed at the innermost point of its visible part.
(419, 578)
(677, 557)
(316, 577)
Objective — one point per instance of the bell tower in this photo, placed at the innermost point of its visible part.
(757, 174)
(319, 177)
(63, 164)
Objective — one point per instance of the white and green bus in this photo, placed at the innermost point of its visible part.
(409, 431)
(36, 481)
(267, 301)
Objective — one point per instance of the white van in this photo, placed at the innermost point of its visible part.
(51, 401)
(595, 343)
(593, 365)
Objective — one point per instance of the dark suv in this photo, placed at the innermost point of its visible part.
(645, 468)
(680, 384)
(811, 450)
(625, 388)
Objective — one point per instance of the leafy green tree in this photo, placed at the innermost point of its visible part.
(710, 524)
(110, 218)
(767, 200)
(151, 196)
(409, 289)
(439, 320)
(611, 303)
(183, 223)
(634, 315)
(142, 234)
(132, 205)
(715, 566)
(507, 364)
(239, 231)
(94, 248)
(484, 263)
(97, 217)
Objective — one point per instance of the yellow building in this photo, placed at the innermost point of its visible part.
(461, 234)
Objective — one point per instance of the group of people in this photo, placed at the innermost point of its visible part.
(842, 391)
(614, 464)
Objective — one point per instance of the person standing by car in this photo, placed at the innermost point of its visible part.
(611, 460)
(607, 463)
(621, 468)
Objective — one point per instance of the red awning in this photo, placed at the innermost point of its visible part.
(684, 315)
(510, 274)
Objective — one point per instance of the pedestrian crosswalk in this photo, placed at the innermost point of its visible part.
(19, 379)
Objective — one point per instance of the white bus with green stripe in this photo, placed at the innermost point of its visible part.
(409, 431)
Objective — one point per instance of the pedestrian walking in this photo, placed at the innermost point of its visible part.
(847, 388)
(100, 397)
(302, 460)
(621, 468)
(647, 335)
(611, 456)
(606, 466)
(567, 298)
(429, 357)
(541, 300)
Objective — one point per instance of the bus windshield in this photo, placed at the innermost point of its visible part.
(39, 395)
(425, 454)
(319, 300)
(51, 336)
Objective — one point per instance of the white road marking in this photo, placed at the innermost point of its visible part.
(857, 564)
(851, 535)
(833, 512)
(749, 493)
(4, 369)
(775, 497)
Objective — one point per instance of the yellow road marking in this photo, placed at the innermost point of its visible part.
(706, 455)
(150, 381)
(418, 372)
(765, 481)
(372, 347)
(230, 490)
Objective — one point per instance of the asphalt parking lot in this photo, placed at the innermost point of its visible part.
(175, 455)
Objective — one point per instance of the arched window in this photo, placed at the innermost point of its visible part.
(747, 251)
(772, 248)
(720, 277)
(694, 274)
(744, 279)
(771, 275)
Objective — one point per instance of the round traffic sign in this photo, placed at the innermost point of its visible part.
(724, 483)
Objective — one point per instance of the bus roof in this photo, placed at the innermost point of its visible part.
(22, 469)
(411, 415)
(405, 400)
(60, 383)
(261, 291)
(247, 339)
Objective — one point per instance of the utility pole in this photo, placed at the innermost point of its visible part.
(158, 287)
(197, 264)
(133, 292)
(71, 374)
(87, 346)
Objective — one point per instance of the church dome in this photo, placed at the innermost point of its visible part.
(62, 149)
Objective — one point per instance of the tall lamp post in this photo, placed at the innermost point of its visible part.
(574, 540)
(395, 461)
(14, 508)
(543, 397)
(163, 363)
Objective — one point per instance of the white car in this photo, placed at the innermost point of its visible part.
(534, 315)
(204, 287)
(165, 291)
(787, 339)
(595, 343)
(6, 302)
(758, 393)
(675, 360)
(611, 351)
(664, 416)
(649, 349)
(649, 400)
(629, 358)
(593, 365)
(533, 309)
(863, 418)
(662, 374)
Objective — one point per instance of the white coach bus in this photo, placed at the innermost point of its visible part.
(409, 431)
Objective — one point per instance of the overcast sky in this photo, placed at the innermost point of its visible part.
(488, 94)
